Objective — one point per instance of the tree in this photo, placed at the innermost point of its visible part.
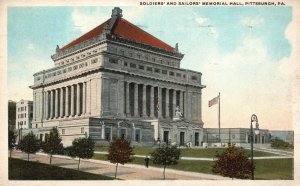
(120, 151)
(11, 141)
(29, 144)
(279, 143)
(11, 114)
(233, 163)
(52, 144)
(83, 148)
(166, 155)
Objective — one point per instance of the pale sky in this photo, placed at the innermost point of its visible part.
(252, 68)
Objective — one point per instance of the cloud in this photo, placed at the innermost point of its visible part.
(252, 21)
(31, 46)
(84, 21)
(201, 20)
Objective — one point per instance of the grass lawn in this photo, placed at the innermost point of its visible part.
(23, 170)
(281, 169)
(201, 153)
(267, 169)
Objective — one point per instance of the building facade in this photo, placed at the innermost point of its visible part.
(24, 114)
(285, 135)
(118, 80)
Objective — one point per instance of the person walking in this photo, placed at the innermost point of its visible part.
(147, 161)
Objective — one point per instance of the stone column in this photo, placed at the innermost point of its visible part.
(103, 131)
(127, 100)
(72, 100)
(78, 100)
(167, 104)
(46, 104)
(83, 98)
(174, 102)
(152, 104)
(144, 101)
(181, 101)
(56, 103)
(61, 102)
(67, 102)
(159, 102)
(51, 104)
(136, 95)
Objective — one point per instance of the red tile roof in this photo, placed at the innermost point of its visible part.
(126, 30)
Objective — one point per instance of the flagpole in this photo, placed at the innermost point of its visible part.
(219, 115)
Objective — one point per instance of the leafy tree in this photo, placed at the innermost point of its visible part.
(11, 114)
(120, 151)
(233, 163)
(83, 148)
(166, 155)
(29, 144)
(279, 143)
(11, 141)
(52, 144)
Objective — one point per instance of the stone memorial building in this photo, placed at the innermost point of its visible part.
(118, 80)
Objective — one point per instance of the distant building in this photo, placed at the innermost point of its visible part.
(118, 80)
(24, 114)
(238, 136)
(287, 136)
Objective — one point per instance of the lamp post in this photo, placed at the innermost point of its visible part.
(253, 119)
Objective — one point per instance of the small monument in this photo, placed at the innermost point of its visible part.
(178, 114)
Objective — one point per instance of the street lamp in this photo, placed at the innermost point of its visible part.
(158, 141)
(253, 119)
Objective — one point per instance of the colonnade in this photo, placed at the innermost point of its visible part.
(142, 100)
(68, 101)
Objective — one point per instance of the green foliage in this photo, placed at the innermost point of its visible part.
(82, 148)
(120, 151)
(233, 163)
(11, 114)
(166, 155)
(18, 170)
(279, 143)
(11, 140)
(52, 144)
(29, 144)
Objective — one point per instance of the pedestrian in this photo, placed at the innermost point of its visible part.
(147, 161)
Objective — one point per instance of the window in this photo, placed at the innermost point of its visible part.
(24, 122)
(164, 71)
(122, 52)
(178, 75)
(82, 130)
(138, 56)
(130, 54)
(63, 131)
(94, 60)
(82, 55)
(153, 59)
(64, 70)
(149, 69)
(112, 60)
(183, 76)
(25, 108)
(75, 67)
(171, 73)
(81, 65)
(194, 77)
(132, 65)
(36, 125)
(107, 134)
(141, 67)
(137, 135)
(125, 64)
(157, 70)
(58, 72)
(147, 57)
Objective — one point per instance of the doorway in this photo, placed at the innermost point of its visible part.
(166, 136)
(181, 138)
(196, 138)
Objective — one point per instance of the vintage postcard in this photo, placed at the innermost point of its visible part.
(151, 92)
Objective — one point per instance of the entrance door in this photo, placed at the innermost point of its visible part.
(196, 138)
(181, 138)
(166, 136)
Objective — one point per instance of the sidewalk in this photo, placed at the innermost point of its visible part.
(210, 159)
(126, 172)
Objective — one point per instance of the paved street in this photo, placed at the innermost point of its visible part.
(126, 172)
